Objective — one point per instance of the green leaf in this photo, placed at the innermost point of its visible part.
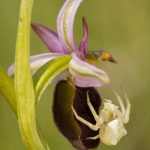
(7, 89)
(48, 72)
(23, 81)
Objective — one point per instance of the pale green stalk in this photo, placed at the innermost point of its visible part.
(7, 89)
(23, 81)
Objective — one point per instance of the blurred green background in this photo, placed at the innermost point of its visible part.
(122, 28)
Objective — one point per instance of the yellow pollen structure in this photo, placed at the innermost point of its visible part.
(106, 56)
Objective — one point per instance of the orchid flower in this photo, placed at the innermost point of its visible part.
(82, 65)
(77, 110)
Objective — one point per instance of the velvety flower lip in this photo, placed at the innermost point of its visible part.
(81, 106)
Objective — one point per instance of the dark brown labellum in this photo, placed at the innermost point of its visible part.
(65, 96)
(82, 109)
(62, 113)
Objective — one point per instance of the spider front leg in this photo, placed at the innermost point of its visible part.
(99, 120)
(124, 115)
(94, 137)
(90, 125)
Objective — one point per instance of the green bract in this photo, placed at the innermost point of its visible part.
(49, 72)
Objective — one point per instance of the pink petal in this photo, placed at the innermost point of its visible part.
(49, 38)
(36, 62)
(65, 22)
(86, 75)
(84, 43)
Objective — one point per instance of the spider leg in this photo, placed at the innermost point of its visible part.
(120, 102)
(124, 115)
(126, 118)
(107, 100)
(93, 138)
(90, 125)
(97, 118)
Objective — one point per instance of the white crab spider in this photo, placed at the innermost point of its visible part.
(110, 120)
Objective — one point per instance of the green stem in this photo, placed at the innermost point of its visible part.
(23, 81)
